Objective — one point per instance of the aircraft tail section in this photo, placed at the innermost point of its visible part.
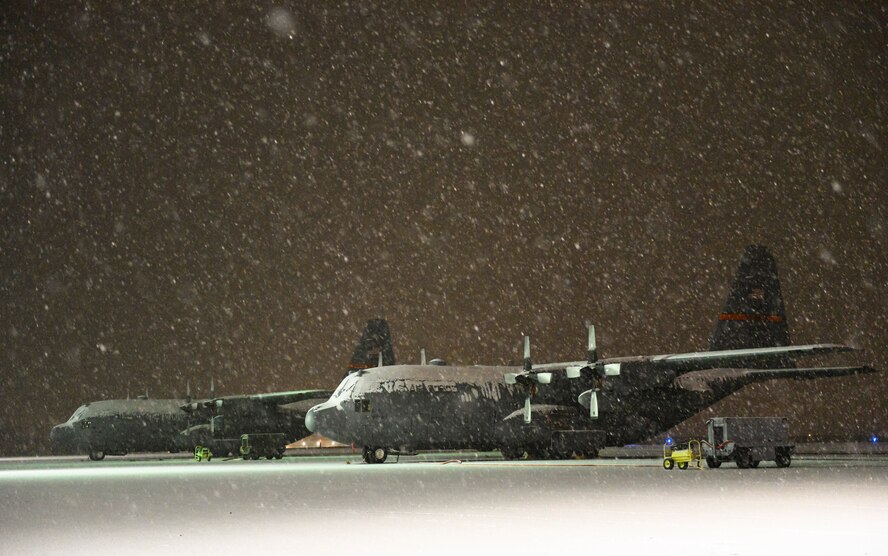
(376, 340)
(754, 315)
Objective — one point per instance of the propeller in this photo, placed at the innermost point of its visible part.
(528, 380)
(599, 371)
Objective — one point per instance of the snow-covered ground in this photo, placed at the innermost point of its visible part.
(335, 505)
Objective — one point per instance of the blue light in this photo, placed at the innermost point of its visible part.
(874, 439)
(669, 441)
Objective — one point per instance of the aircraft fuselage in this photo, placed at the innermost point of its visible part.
(122, 426)
(412, 407)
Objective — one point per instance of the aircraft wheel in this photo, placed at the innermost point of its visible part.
(683, 465)
(783, 460)
(374, 455)
(713, 463)
(668, 464)
(755, 463)
(96, 455)
(279, 454)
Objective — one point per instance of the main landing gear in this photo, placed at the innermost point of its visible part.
(374, 455)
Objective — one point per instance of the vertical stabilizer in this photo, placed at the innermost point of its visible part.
(374, 346)
(754, 315)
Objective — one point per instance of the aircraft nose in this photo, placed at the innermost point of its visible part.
(59, 434)
(310, 420)
(61, 437)
(324, 419)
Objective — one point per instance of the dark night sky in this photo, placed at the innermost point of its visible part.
(230, 191)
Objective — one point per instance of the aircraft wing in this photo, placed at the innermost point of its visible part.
(729, 380)
(269, 399)
(708, 359)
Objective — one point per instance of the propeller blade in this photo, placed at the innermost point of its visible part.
(592, 353)
(590, 398)
(212, 388)
(422, 356)
(379, 364)
(527, 410)
(528, 366)
(593, 405)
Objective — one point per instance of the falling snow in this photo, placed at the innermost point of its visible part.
(196, 191)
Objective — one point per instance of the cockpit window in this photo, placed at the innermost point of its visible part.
(346, 386)
(77, 414)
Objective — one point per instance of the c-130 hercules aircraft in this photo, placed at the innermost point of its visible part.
(578, 407)
(118, 427)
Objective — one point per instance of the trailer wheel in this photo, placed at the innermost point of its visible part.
(743, 459)
(712, 462)
(668, 464)
(783, 459)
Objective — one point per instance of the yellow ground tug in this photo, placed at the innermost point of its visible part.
(202, 453)
(690, 453)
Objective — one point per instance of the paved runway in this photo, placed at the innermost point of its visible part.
(334, 505)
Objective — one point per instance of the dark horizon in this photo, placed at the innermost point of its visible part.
(231, 192)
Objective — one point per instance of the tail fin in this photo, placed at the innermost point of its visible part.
(375, 341)
(754, 315)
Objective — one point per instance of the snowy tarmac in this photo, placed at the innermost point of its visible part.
(337, 505)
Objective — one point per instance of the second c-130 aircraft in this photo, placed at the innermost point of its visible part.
(119, 427)
(561, 410)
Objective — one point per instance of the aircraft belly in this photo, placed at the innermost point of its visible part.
(130, 434)
(428, 419)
